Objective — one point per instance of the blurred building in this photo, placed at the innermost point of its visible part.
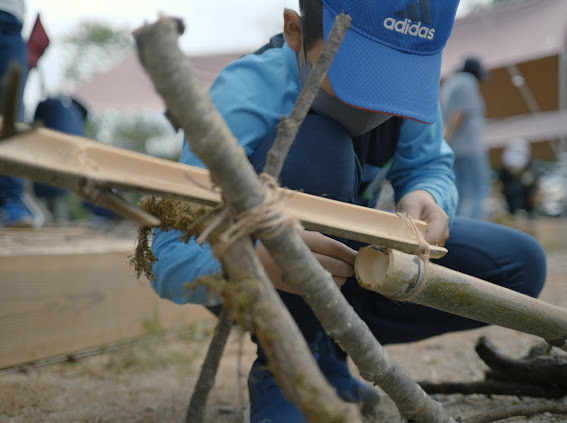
(126, 87)
(523, 45)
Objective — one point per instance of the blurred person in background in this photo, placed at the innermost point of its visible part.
(67, 115)
(13, 48)
(518, 180)
(464, 121)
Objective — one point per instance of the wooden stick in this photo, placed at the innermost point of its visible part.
(251, 299)
(403, 277)
(493, 387)
(525, 410)
(289, 126)
(209, 369)
(71, 162)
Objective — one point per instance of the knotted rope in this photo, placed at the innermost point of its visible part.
(266, 221)
(423, 252)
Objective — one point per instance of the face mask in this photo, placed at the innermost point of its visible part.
(356, 121)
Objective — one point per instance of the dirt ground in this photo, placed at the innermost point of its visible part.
(151, 380)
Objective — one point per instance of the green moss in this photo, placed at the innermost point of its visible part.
(174, 215)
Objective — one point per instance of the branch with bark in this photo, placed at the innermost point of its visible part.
(288, 127)
(543, 370)
(493, 387)
(206, 380)
(539, 374)
(525, 410)
(211, 140)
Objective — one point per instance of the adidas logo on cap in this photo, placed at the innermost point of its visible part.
(411, 22)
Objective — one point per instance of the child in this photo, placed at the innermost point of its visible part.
(377, 109)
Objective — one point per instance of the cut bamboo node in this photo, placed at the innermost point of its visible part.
(396, 276)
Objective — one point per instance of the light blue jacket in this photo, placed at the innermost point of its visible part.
(252, 94)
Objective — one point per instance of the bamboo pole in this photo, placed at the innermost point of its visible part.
(403, 277)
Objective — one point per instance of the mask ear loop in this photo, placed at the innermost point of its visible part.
(303, 65)
(303, 43)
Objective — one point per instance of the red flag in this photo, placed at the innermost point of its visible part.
(37, 43)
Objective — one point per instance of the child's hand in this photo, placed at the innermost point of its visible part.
(421, 205)
(334, 256)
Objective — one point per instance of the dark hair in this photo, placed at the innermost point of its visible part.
(474, 65)
(312, 21)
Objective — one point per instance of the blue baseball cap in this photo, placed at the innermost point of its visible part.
(390, 58)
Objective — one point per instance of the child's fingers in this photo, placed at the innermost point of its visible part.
(334, 266)
(321, 244)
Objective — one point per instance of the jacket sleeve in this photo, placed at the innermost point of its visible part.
(248, 114)
(178, 265)
(424, 161)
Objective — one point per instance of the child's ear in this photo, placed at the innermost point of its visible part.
(292, 29)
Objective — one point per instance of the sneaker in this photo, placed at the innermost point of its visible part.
(16, 215)
(268, 405)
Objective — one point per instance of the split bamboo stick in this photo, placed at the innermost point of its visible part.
(78, 163)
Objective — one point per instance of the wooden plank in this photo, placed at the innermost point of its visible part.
(57, 303)
(78, 163)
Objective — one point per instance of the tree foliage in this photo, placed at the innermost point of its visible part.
(93, 47)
